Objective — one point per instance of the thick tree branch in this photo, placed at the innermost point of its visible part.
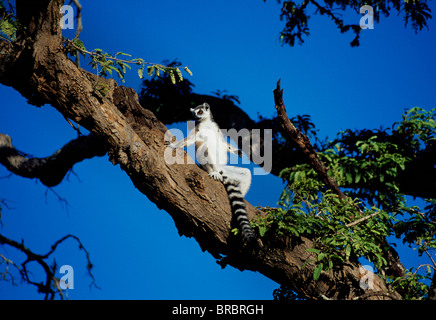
(52, 169)
(134, 138)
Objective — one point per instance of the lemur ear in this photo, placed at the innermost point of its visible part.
(192, 109)
(206, 106)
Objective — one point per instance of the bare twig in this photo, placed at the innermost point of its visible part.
(89, 265)
(6, 273)
(79, 27)
(352, 224)
(44, 287)
(303, 143)
(423, 215)
(77, 129)
(431, 258)
(63, 202)
(78, 18)
(422, 266)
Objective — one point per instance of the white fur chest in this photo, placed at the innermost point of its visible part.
(209, 136)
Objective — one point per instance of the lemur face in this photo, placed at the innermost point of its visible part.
(201, 112)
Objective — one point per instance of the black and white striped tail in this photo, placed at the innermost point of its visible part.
(238, 208)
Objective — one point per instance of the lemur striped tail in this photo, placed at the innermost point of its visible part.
(239, 209)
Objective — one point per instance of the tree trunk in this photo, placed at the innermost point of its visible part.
(37, 67)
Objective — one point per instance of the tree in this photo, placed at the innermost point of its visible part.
(35, 61)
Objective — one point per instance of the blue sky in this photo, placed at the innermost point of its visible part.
(228, 45)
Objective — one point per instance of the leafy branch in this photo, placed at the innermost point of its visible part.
(8, 23)
(106, 64)
(296, 16)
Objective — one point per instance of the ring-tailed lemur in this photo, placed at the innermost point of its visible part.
(211, 151)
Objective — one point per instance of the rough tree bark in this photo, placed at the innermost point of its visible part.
(36, 66)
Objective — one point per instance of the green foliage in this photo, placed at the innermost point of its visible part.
(102, 88)
(339, 230)
(374, 164)
(297, 16)
(106, 64)
(413, 284)
(368, 165)
(418, 128)
(296, 23)
(7, 29)
(8, 23)
(418, 229)
(418, 13)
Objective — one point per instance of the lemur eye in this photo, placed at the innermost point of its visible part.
(200, 112)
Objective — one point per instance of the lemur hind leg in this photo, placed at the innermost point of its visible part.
(213, 172)
(241, 175)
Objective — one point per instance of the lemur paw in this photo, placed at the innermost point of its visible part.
(170, 144)
(216, 176)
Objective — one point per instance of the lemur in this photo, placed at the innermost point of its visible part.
(211, 151)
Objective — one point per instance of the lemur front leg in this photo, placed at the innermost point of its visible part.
(189, 140)
(234, 150)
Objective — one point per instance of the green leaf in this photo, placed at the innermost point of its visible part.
(141, 73)
(179, 74)
(347, 251)
(235, 231)
(349, 177)
(188, 71)
(262, 230)
(313, 250)
(358, 176)
(150, 70)
(172, 76)
(79, 43)
(125, 65)
(122, 54)
(317, 271)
